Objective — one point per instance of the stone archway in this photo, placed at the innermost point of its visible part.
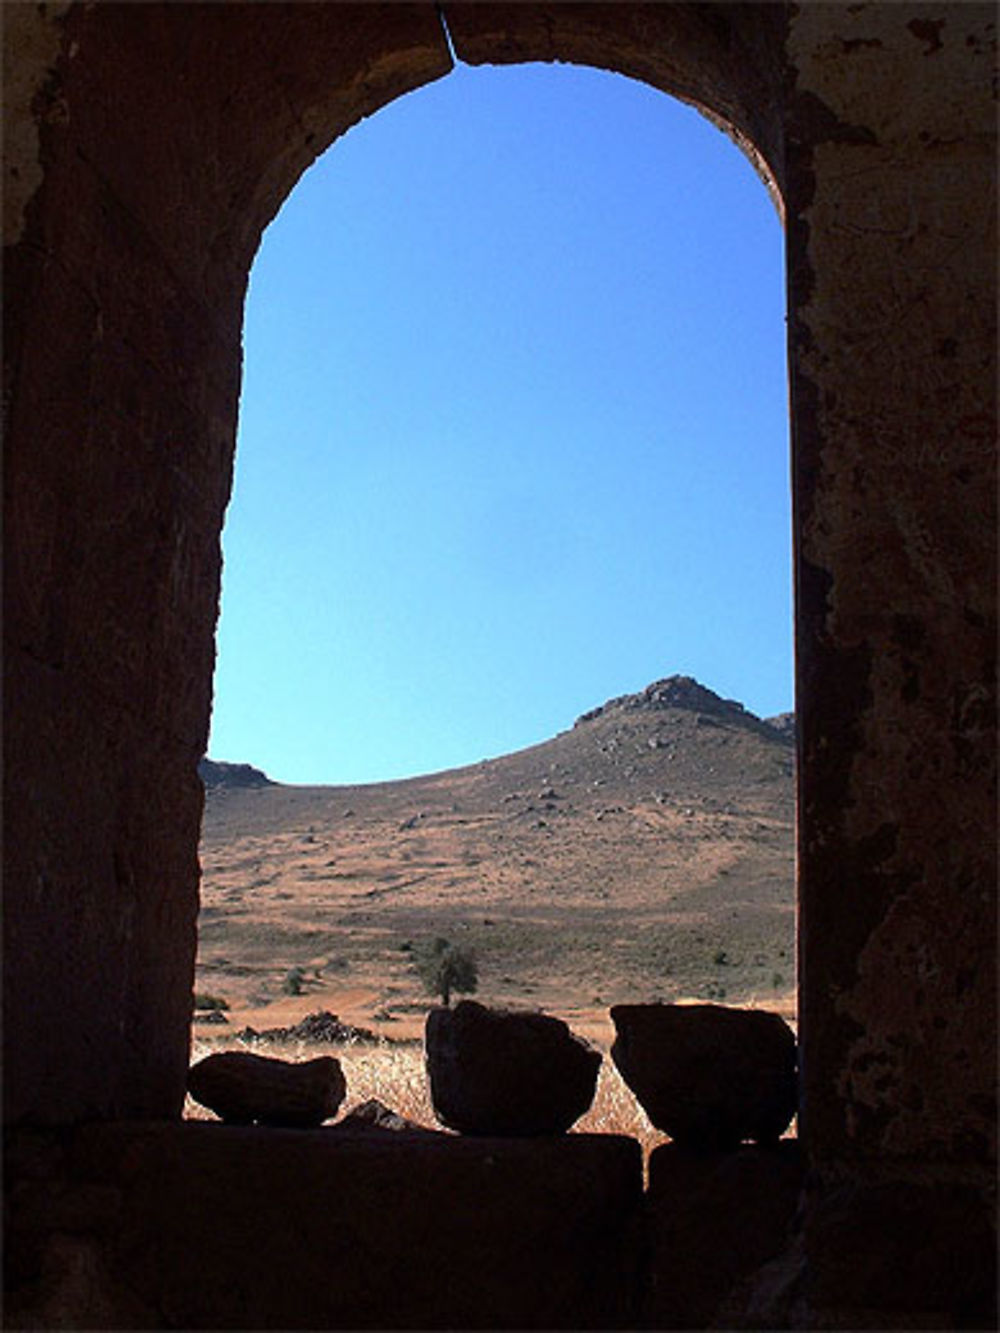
(145, 149)
(157, 275)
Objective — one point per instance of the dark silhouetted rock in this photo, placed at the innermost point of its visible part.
(242, 1088)
(210, 1016)
(707, 1075)
(520, 1074)
(374, 1114)
(321, 1026)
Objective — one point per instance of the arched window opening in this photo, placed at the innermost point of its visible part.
(513, 444)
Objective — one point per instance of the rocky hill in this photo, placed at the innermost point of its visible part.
(216, 773)
(646, 851)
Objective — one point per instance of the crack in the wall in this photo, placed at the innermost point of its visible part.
(455, 59)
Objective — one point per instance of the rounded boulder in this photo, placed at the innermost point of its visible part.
(243, 1089)
(505, 1073)
(708, 1075)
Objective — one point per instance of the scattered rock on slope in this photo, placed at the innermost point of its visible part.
(783, 724)
(321, 1026)
(216, 773)
(673, 692)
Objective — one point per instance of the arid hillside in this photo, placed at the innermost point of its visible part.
(645, 853)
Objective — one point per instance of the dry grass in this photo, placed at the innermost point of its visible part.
(395, 1074)
(616, 1111)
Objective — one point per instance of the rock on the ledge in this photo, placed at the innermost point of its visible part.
(374, 1114)
(242, 1088)
(518, 1074)
(707, 1075)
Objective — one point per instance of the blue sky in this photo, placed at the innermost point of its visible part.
(513, 431)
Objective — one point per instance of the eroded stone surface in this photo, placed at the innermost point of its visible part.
(179, 133)
(891, 142)
(32, 37)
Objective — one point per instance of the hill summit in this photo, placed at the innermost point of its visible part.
(218, 773)
(675, 692)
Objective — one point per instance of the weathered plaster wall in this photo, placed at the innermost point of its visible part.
(892, 196)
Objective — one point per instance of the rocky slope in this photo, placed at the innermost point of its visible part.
(646, 851)
(215, 773)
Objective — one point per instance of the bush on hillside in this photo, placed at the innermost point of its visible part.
(294, 980)
(445, 967)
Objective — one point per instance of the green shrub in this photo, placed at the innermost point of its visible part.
(294, 980)
(203, 1001)
(445, 967)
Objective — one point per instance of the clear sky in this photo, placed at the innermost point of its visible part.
(513, 431)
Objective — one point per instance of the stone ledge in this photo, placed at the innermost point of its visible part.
(230, 1227)
(714, 1220)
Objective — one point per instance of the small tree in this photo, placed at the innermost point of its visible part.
(444, 968)
(294, 981)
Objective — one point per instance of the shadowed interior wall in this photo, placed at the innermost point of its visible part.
(166, 138)
(146, 146)
(892, 218)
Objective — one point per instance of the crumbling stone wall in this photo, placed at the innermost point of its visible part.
(146, 146)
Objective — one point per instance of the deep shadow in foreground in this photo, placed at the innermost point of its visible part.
(199, 1225)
